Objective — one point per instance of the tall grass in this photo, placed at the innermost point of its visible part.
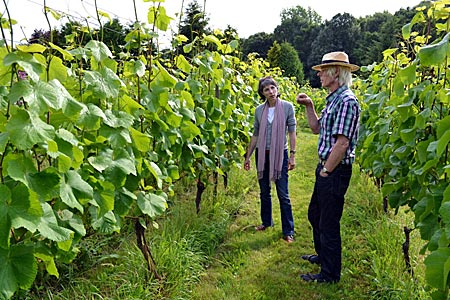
(218, 255)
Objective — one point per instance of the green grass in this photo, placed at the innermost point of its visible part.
(218, 255)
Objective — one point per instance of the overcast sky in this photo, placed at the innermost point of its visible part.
(247, 16)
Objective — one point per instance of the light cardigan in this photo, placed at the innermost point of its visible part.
(289, 114)
(267, 137)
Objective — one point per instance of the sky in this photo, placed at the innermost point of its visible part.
(247, 16)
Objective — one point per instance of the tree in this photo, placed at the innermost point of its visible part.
(341, 33)
(39, 36)
(193, 24)
(257, 43)
(286, 58)
(114, 35)
(377, 34)
(297, 28)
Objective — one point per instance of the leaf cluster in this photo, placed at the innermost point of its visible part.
(405, 133)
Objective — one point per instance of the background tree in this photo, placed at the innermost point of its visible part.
(298, 27)
(376, 36)
(194, 23)
(114, 34)
(257, 43)
(341, 33)
(286, 58)
(39, 36)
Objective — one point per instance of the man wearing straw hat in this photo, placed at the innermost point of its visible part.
(337, 127)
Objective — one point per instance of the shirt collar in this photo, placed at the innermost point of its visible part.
(336, 93)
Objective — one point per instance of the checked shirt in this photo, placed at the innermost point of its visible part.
(340, 116)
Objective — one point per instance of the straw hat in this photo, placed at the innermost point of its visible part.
(335, 59)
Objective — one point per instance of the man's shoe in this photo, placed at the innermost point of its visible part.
(288, 238)
(312, 258)
(316, 278)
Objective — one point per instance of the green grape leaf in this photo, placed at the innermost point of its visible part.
(26, 130)
(18, 269)
(157, 15)
(19, 167)
(32, 48)
(118, 119)
(442, 143)
(5, 220)
(164, 79)
(408, 75)
(183, 64)
(91, 118)
(118, 137)
(125, 161)
(20, 90)
(189, 130)
(57, 70)
(442, 126)
(151, 204)
(66, 54)
(44, 96)
(104, 84)
(25, 209)
(103, 197)
(129, 105)
(4, 138)
(27, 61)
(99, 50)
(45, 183)
(173, 172)
(49, 227)
(73, 188)
(435, 54)
(119, 158)
(437, 268)
(139, 68)
(140, 140)
(73, 221)
(106, 223)
(70, 107)
(123, 201)
(49, 262)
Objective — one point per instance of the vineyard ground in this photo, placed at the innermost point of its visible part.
(218, 255)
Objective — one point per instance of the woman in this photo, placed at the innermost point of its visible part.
(274, 120)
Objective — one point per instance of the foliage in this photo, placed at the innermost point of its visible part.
(194, 24)
(298, 27)
(406, 135)
(88, 142)
(338, 34)
(363, 39)
(286, 58)
(259, 43)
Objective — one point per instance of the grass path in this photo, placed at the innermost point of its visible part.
(260, 265)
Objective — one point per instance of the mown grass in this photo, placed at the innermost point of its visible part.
(218, 255)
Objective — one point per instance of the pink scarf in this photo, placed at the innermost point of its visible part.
(276, 155)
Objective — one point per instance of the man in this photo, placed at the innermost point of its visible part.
(337, 127)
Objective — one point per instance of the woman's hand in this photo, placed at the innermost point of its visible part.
(247, 164)
(291, 163)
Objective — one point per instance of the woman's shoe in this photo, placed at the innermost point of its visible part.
(288, 238)
(260, 228)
